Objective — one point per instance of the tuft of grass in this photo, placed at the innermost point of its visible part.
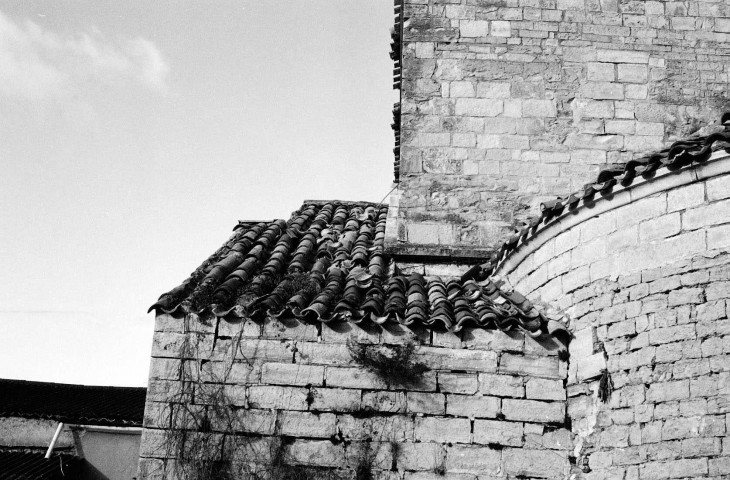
(301, 283)
(396, 364)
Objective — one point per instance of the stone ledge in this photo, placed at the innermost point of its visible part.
(417, 253)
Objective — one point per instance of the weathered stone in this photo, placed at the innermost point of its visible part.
(442, 429)
(535, 463)
(497, 432)
(472, 406)
(472, 459)
(533, 411)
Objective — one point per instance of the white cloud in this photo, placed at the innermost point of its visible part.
(36, 63)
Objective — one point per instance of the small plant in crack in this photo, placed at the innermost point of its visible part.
(395, 364)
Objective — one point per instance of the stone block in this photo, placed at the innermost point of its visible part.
(260, 422)
(601, 72)
(153, 444)
(473, 459)
(593, 109)
(498, 432)
(597, 142)
(457, 359)
(391, 402)
(335, 400)
(316, 452)
(151, 469)
(493, 340)
(602, 91)
(718, 238)
(591, 367)
(533, 410)
(169, 344)
(718, 188)
(354, 378)
(458, 383)
(292, 374)
(719, 466)
(622, 56)
(292, 330)
(473, 28)
(692, 468)
(493, 90)
(305, 424)
(501, 28)
(263, 350)
(461, 89)
(690, 368)
(559, 439)
(548, 367)
(478, 107)
(426, 402)
(679, 428)
(472, 406)
(286, 398)
(621, 127)
(668, 391)
(643, 209)
(442, 429)
(235, 394)
(428, 139)
(544, 389)
(539, 108)
(420, 456)
(535, 463)
(503, 141)
(686, 296)
(501, 385)
(636, 92)
(706, 215)
(316, 353)
(392, 428)
(633, 73)
(696, 447)
(164, 369)
(660, 227)
(671, 334)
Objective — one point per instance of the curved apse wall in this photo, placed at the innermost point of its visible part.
(645, 278)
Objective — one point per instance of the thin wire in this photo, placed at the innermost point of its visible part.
(386, 195)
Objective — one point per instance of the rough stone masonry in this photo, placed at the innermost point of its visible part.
(508, 102)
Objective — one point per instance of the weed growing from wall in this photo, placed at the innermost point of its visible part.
(201, 413)
(395, 364)
(203, 437)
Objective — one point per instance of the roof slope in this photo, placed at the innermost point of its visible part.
(33, 466)
(327, 264)
(76, 404)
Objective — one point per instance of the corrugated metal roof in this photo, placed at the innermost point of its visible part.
(76, 404)
(33, 466)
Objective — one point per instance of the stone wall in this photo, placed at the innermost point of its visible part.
(647, 285)
(489, 405)
(508, 102)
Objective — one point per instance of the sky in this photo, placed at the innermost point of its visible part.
(133, 137)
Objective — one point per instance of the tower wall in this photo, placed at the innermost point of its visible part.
(506, 103)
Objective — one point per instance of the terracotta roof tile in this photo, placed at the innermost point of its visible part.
(76, 404)
(327, 264)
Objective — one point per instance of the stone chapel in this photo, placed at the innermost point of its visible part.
(546, 294)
